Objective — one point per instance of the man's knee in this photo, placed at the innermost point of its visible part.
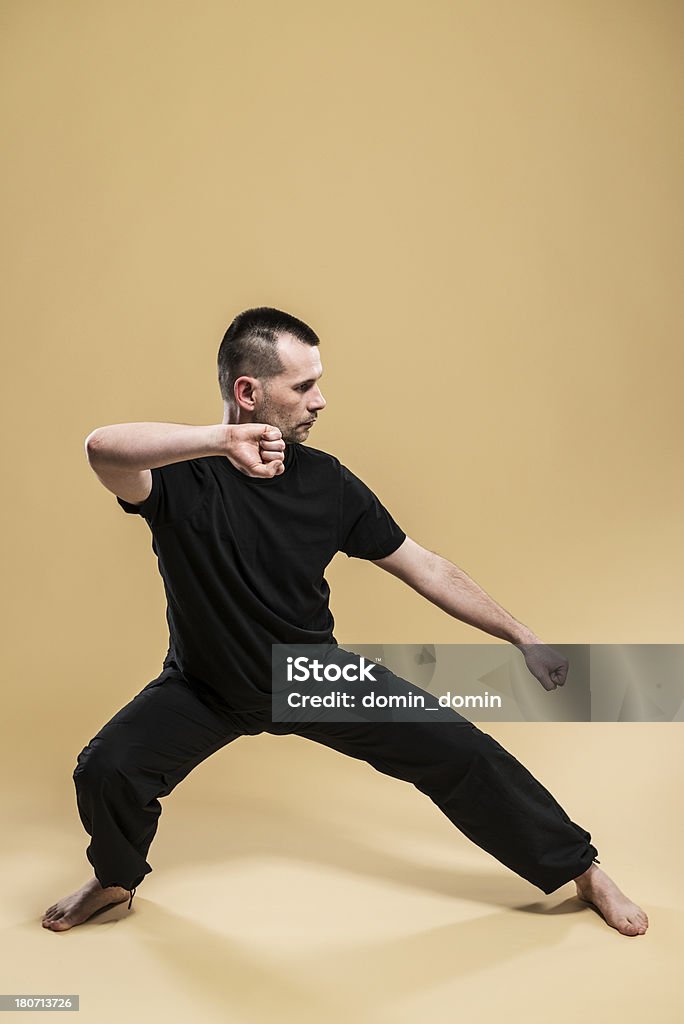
(104, 766)
(446, 754)
(97, 763)
(458, 741)
(465, 760)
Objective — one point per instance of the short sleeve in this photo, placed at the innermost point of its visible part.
(177, 490)
(367, 530)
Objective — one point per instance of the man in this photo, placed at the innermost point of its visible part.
(244, 520)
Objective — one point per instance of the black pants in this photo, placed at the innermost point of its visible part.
(153, 742)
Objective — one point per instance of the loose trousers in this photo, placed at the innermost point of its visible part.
(167, 729)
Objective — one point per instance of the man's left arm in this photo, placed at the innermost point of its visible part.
(452, 590)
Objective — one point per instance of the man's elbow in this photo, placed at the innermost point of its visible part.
(92, 446)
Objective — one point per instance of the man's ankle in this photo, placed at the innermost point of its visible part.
(587, 875)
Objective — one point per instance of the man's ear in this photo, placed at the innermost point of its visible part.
(244, 391)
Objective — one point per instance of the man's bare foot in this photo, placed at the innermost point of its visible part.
(596, 888)
(82, 904)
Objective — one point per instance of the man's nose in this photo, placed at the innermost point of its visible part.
(319, 401)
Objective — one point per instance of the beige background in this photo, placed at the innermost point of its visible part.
(478, 208)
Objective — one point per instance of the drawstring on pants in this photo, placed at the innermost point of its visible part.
(132, 892)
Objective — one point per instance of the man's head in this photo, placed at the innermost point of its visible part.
(268, 368)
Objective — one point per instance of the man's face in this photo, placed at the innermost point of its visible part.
(293, 399)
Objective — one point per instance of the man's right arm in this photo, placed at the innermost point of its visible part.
(122, 455)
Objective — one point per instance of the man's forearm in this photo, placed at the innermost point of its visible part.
(452, 590)
(147, 445)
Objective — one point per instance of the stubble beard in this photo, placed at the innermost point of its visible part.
(267, 413)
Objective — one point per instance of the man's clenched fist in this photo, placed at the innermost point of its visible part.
(548, 666)
(256, 449)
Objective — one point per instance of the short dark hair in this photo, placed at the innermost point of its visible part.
(249, 345)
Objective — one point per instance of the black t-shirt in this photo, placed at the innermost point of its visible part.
(243, 558)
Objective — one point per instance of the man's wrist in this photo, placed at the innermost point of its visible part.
(223, 436)
(521, 635)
